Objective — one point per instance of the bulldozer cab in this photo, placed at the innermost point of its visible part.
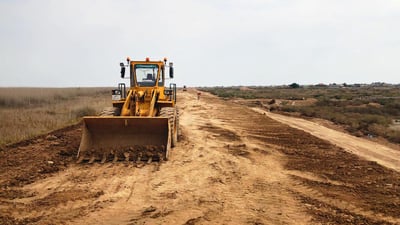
(147, 75)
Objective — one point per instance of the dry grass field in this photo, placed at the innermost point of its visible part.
(27, 112)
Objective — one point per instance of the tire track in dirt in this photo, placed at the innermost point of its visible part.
(369, 150)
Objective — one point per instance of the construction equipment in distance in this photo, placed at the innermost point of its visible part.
(143, 123)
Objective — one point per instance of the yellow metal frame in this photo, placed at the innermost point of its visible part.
(144, 101)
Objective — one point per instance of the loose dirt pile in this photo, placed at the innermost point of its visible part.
(232, 166)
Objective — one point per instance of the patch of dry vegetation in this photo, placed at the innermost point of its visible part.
(372, 111)
(27, 112)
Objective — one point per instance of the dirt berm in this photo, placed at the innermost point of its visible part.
(232, 166)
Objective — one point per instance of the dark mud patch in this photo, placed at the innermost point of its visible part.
(14, 194)
(219, 132)
(238, 150)
(328, 214)
(64, 196)
(7, 220)
(25, 162)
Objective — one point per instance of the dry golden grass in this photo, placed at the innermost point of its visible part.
(28, 112)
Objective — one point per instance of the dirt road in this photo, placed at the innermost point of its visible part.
(232, 166)
(369, 150)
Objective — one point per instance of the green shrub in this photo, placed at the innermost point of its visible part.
(288, 108)
(393, 136)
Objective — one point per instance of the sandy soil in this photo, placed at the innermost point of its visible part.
(232, 166)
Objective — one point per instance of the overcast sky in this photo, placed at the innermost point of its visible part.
(66, 43)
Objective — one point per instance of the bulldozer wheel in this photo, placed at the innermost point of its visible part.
(171, 113)
(110, 111)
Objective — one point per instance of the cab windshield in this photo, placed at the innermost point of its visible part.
(146, 75)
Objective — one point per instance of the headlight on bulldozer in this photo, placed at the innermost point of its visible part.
(168, 92)
(116, 95)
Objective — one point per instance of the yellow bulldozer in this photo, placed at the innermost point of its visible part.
(142, 124)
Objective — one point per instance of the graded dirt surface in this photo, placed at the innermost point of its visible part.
(232, 166)
(369, 150)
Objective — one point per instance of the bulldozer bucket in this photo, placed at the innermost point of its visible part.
(125, 138)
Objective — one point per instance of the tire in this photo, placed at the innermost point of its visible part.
(110, 111)
(171, 113)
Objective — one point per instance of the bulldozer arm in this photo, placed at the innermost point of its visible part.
(127, 138)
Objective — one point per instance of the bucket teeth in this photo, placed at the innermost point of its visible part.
(137, 154)
(126, 155)
(103, 160)
(139, 158)
(115, 158)
(80, 159)
(92, 158)
(160, 157)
